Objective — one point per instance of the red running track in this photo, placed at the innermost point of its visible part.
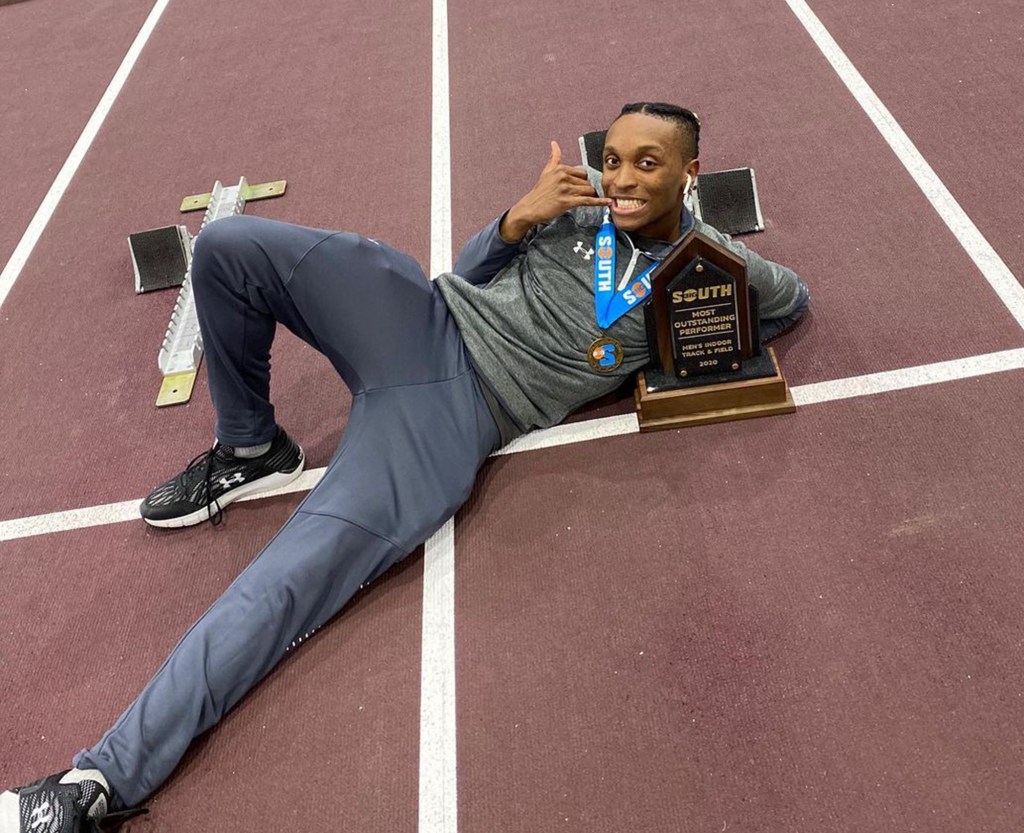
(825, 604)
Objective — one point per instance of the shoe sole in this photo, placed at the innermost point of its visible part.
(276, 480)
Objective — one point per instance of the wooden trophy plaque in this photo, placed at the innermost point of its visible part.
(707, 364)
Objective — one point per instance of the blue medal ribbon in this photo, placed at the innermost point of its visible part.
(610, 303)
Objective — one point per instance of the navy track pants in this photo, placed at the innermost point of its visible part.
(418, 432)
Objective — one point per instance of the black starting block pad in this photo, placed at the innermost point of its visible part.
(160, 257)
(726, 200)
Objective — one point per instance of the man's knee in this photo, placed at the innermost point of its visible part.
(225, 252)
(773, 327)
(224, 238)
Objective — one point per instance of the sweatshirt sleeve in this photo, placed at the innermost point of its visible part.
(780, 291)
(485, 254)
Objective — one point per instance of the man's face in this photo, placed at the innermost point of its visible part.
(644, 174)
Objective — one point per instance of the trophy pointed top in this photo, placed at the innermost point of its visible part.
(697, 244)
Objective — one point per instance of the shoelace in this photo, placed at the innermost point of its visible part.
(205, 461)
(218, 516)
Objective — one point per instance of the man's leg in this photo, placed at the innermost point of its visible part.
(240, 273)
(771, 328)
(232, 259)
(365, 306)
(418, 431)
(368, 308)
(407, 462)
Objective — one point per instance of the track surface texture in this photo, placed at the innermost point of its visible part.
(794, 624)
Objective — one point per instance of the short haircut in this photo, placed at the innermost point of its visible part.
(685, 120)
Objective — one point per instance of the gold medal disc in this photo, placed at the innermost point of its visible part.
(604, 355)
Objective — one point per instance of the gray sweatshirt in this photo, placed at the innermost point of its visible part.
(526, 311)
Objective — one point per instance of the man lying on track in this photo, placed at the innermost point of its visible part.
(442, 373)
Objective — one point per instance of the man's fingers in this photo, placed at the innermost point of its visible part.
(571, 173)
(571, 181)
(581, 189)
(556, 156)
(577, 171)
(582, 200)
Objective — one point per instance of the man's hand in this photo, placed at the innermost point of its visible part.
(559, 188)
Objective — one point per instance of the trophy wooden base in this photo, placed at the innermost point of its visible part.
(694, 403)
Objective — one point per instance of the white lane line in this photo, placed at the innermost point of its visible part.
(991, 265)
(909, 377)
(53, 197)
(573, 432)
(110, 513)
(576, 432)
(438, 800)
(440, 144)
(438, 785)
(128, 510)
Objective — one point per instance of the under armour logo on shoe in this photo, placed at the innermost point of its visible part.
(228, 481)
(41, 816)
(581, 251)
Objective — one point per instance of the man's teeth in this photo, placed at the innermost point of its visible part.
(621, 203)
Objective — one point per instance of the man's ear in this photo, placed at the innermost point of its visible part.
(689, 177)
(689, 181)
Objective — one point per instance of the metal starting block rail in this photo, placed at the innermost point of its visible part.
(182, 349)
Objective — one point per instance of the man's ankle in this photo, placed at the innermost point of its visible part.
(248, 452)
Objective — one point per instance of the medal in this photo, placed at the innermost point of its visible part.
(604, 355)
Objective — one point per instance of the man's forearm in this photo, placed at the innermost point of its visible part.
(485, 254)
(514, 227)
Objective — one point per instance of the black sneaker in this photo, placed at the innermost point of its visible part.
(73, 801)
(217, 477)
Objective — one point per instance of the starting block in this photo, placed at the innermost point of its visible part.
(166, 251)
(161, 257)
(726, 200)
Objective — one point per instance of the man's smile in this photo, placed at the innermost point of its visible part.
(624, 205)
